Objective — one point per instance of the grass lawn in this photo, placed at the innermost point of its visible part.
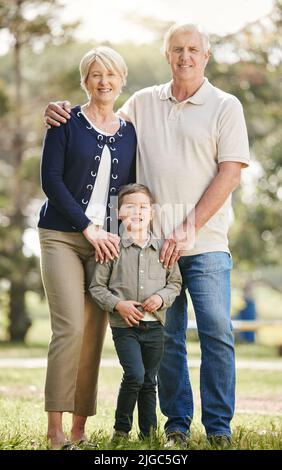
(257, 423)
(23, 421)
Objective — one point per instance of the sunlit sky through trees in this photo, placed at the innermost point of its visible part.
(115, 20)
(112, 19)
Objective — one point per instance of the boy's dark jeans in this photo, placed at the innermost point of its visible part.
(140, 351)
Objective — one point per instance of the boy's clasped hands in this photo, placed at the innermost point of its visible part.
(128, 310)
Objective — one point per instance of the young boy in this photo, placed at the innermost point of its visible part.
(136, 290)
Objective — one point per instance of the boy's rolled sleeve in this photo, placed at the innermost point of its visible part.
(172, 288)
(99, 289)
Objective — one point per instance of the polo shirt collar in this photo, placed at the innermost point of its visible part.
(126, 242)
(198, 98)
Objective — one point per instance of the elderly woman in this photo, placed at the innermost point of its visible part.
(84, 163)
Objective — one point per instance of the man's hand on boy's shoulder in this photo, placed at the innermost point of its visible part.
(153, 303)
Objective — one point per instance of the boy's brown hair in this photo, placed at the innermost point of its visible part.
(134, 188)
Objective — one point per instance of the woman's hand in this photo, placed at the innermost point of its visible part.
(106, 244)
(128, 311)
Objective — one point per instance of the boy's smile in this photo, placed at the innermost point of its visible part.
(136, 213)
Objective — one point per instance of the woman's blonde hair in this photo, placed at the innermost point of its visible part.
(107, 58)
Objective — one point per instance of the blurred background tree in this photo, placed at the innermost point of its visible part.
(247, 64)
(30, 24)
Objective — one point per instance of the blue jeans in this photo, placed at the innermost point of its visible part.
(207, 277)
(140, 350)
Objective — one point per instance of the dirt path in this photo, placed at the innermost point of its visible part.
(260, 405)
(35, 363)
(265, 405)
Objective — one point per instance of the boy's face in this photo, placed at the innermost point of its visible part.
(136, 212)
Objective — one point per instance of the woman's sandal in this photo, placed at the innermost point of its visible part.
(69, 446)
(86, 445)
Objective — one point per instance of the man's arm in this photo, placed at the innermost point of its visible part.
(224, 183)
(57, 112)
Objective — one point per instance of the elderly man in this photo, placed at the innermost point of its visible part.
(192, 145)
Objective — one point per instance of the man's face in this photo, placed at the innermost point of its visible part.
(187, 56)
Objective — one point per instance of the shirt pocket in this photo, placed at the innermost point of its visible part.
(156, 270)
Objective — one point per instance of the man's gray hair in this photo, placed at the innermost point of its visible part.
(185, 28)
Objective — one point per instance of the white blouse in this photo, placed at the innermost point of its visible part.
(97, 206)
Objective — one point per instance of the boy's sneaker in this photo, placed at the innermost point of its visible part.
(220, 441)
(177, 438)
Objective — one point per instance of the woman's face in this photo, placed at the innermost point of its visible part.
(103, 85)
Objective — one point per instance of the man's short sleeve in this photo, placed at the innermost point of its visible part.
(128, 110)
(233, 144)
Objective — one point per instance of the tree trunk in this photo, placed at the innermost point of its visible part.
(19, 321)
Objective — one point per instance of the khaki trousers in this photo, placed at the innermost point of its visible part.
(78, 324)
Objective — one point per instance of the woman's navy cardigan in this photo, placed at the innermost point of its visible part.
(70, 162)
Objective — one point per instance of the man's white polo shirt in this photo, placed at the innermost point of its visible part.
(180, 145)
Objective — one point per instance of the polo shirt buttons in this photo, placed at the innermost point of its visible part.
(141, 271)
(141, 287)
(174, 113)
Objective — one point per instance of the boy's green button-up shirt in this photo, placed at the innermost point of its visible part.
(136, 274)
